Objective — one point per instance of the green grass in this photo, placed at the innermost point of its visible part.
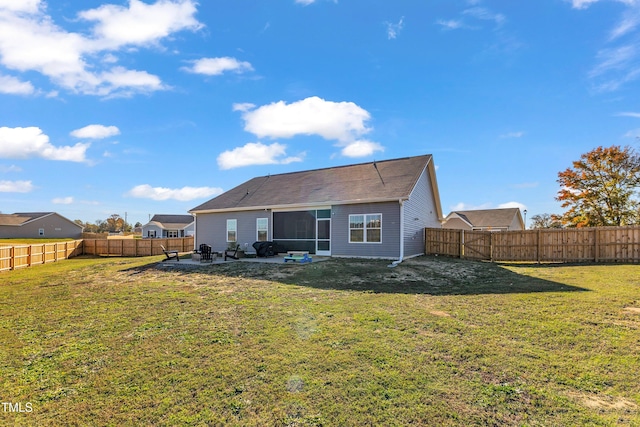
(17, 242)
(125, 342)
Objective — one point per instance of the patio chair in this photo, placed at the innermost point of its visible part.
(232, 253)
(170, 254)
(205, 253)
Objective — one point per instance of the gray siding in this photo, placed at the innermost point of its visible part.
(390, 246)
(419, 212)
(55, 227)
(211, 228)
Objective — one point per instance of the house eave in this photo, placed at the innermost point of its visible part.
(299, 206)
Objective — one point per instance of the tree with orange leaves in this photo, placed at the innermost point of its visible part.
(601, 189)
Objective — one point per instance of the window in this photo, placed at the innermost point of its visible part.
(40, 231)
(365, 228)
(262, 225)
(172, 233)
(232, 230)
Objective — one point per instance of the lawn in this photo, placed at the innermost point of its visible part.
(434, 341)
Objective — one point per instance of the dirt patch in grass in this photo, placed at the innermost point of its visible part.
(421, 275)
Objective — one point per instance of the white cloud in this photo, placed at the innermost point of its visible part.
(31, 41)
(582, 4)
(519, 134)
(628, 114)
(12, 168)
(16, 186)
(450, 24)
(634, 133)
(256, 153)
(28, 6)
(485, 15)
(394, 29)
(183, 194)
(344, 122)
(507, 205)
(12, 86)
(361, 148)
(305, 2)
(23, 143)
(217, 66)
(466, 207)
(243, 106)
(140, 23)
(311, 116)
(62, 201)
(96, 132)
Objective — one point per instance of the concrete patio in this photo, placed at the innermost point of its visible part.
(278, 259)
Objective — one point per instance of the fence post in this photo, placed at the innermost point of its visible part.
(461, 243)
(596, 248)
(12, 260)
(539, 249)
(491, 245)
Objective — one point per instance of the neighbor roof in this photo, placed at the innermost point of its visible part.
(172, 221)
(19, 219)
(487, 217)
(361, 183)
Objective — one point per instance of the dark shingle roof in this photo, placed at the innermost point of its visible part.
(365, 182)
(21, 218)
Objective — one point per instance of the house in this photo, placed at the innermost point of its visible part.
(169, 226)
(377, 209)
(34, 225)
(485, 219)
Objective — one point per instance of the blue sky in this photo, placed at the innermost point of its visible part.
(144, 107)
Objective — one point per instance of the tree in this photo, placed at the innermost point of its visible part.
(546, 220)
(601, 188)
(115, 223)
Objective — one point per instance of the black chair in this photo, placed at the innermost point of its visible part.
(232, 253)
(170, 254)
(205, 253)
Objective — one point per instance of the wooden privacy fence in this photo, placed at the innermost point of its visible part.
(136, 247)
(13, 257)
(20, 256)
(601, 244)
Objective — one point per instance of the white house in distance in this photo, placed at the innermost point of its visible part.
(163, 226)
(377, 210)
(507, 219)
(36, 225)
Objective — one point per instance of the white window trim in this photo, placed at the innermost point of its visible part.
(235, 223)
(364, 229)
(258, 229)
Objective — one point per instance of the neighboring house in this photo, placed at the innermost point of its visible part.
(163, 226)
(377, 210)
(485, 219)
(34, 225)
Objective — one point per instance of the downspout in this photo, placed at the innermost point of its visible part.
(399, 260)
(195, 230)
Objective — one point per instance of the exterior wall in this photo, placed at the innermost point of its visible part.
(420, 212)
(151, 227)
(515, 224)
(55, 227)
(211, 228)
(390, 246)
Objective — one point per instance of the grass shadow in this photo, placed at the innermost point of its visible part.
(421, 275)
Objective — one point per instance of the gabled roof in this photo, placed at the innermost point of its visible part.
(21, 218)
(361, 183)
(172, 221)
(487, 217)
